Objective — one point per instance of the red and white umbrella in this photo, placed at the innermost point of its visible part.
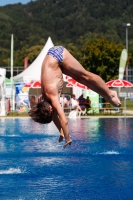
(73, 83)
(33, 84)
(119, 83)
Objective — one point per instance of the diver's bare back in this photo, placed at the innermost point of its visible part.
(51, 77)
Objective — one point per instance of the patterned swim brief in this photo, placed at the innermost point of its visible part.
(57, 53)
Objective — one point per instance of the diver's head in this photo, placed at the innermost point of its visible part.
(42, 112)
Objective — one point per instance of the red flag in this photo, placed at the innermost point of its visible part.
(25, 62)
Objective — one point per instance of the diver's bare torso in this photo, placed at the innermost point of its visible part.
(51, 77)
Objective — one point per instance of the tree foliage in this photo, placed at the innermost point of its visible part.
(31, 53)
(102, 57)
(73, 24)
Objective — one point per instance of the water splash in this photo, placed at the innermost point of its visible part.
(110, 153)
(74, 114)
(11, 171)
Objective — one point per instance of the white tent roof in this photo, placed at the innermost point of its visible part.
(33, 72)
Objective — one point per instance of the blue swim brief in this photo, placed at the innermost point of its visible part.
(57, 53)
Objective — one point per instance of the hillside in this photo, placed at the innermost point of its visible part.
(65, 22)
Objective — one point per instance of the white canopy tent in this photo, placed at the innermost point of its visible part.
(33, 72)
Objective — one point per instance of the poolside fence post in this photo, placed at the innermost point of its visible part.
(125, 106)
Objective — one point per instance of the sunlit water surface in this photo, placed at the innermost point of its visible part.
(98, 164)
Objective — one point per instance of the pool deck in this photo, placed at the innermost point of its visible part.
(129, 114)
(85, 116)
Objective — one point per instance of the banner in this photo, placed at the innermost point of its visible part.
(22, 98)
(122, 64)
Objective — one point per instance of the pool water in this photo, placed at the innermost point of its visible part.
(97, 166)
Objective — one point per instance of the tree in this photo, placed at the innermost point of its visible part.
(102, 56)
(74, 51)
(31, 53)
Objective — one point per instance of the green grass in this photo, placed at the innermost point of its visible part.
(129, 104)
(16, 114)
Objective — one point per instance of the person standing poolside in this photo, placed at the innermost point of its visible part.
(63, 101)
(57, 62)
(82, 102)
(75, 104)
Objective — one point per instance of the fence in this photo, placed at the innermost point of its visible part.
(25, 103)
(16, 70)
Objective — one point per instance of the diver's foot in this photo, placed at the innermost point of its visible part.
(114, 100)
(69, 142)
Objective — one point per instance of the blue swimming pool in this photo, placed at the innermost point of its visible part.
(97, 166)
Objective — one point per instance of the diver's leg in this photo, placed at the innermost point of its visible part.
(73, 68)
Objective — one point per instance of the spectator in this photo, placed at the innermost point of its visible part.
(88, 102)
(75, 104)
(32, 101)
(82, 102)
(63, 101)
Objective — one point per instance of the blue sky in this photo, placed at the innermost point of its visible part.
(5, 2)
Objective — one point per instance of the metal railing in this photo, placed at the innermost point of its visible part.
(15, 68)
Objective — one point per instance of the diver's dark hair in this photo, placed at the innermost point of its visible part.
(41, 112)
